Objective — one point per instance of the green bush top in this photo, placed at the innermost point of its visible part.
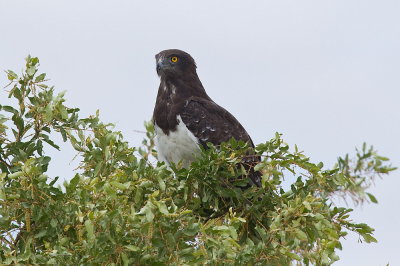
(119, 208)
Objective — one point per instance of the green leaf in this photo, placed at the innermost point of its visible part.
(15, 175)
(124, 259)
(73, 183)
(11, 75)
(54, 181)
(9, 109)
(63, 134)
(161, 184)
(301, 235)
(369, 238)
(31, 70)
(132, 248)
(90, 230)
(97, 168)
(27, 252)
(120, 185)
(372, 198)
(51, 143)
(19, 122)
(63, 112)
(41, 234)
(149, 215)
(293, 256)
(48, 113)
(162, 207)
(41, 77)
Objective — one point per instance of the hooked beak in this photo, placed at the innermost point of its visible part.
(159, 63)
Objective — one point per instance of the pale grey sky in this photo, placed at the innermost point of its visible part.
(326, 74)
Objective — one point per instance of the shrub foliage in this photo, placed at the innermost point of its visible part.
(122, 208)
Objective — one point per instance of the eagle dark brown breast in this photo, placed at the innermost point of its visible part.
(185, 117)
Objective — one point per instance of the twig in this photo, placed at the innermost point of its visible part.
(4, 162)
(139, 131)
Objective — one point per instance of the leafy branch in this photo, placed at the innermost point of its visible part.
(121, 208)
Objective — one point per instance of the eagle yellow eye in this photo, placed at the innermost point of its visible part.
(174, 59)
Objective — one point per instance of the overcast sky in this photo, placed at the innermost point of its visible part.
(326, 74)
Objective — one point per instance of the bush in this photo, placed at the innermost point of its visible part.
(121, 209)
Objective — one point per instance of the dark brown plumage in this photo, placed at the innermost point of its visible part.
(184, 114)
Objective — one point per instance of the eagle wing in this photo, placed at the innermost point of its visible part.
(210, 122)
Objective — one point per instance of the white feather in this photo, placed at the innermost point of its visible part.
(178, 145)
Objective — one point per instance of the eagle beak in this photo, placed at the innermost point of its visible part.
(160, 64)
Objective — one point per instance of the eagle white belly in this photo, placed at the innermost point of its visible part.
(178, 145)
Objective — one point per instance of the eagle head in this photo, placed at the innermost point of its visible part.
(174, 63)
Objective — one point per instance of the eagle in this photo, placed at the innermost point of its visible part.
(185, 117)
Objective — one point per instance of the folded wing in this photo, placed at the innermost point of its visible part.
(210, 122)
